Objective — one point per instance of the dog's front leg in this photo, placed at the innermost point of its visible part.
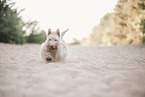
(49, 57)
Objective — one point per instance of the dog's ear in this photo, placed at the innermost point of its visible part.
(58, 33)
(49, 31)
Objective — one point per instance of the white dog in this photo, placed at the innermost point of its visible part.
(54, 48)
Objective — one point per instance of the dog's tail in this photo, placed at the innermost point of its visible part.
(63, 33)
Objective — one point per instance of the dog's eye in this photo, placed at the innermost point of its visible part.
(55, 40)
(49, 39)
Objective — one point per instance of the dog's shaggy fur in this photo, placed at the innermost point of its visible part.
(54, 48)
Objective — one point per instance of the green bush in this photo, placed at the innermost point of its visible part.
(36, 38)
(10, 24)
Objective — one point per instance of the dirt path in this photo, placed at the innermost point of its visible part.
(116, 71)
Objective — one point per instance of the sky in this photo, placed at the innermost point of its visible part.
(79, 16)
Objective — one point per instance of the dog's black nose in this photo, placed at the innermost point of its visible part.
(51, 46)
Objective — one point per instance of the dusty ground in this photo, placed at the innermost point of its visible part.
(116, 71)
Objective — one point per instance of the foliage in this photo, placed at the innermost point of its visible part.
(125, 26)
(10, 24)
(14, 30)
(36, 35)
(36, 38)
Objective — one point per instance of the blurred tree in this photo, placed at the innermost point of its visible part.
(128, 19)
(125, 26)
(36, 38)
(10, 24)
(13, 29)
(35, 34)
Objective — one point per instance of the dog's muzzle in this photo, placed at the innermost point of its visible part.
(53, 48)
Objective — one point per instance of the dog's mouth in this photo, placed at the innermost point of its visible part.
(53, 48)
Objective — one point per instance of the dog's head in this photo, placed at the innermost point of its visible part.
(53, 39)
